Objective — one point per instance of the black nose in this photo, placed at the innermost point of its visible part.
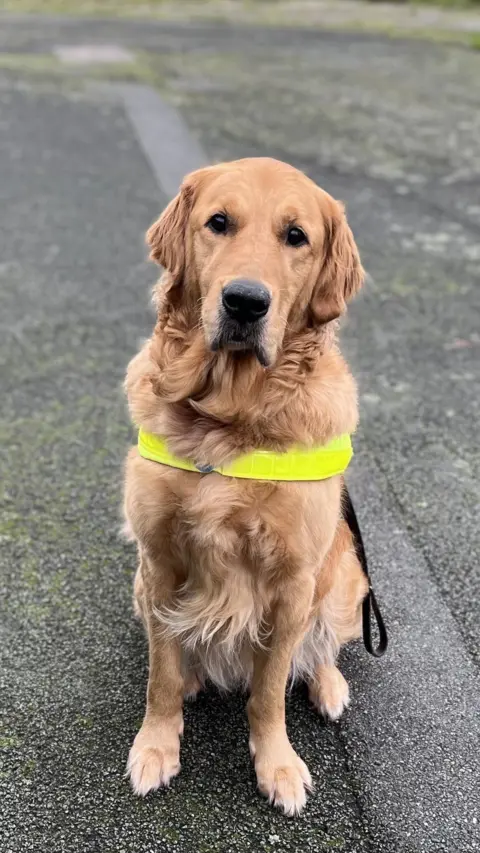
(245, 301)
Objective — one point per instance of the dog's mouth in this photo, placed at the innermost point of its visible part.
(243, 337)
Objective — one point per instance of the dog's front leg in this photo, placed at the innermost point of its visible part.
(155, 754)
(281, 775)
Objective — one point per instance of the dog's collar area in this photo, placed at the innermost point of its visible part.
(296, 465)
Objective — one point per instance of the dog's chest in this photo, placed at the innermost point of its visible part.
(219, 610)
(233, 545)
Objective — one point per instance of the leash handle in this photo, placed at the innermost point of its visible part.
(369, 604)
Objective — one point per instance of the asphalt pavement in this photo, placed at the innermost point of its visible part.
(392, 128)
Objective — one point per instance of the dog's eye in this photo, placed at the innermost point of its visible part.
(218, 223)
(296, 237)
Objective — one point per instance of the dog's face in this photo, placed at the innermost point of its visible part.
(257, 246)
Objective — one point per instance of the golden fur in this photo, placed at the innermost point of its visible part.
(240, 581)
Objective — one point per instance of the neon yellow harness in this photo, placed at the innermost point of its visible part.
(319, 463)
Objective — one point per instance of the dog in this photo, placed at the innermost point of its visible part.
(243, 582)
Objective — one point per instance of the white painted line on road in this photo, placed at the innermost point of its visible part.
(164, 137)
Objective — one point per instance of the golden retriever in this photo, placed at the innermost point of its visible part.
(243, 582)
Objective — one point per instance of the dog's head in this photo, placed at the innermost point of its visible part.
(255, 247)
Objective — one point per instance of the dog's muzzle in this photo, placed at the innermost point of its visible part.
(242, 317)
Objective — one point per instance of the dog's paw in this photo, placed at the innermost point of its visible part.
(282, 776)
(329, 692)
(154, 760)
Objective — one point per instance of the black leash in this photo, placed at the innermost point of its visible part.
(369, 602)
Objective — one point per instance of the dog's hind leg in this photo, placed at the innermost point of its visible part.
(340, 615)
(328, 691)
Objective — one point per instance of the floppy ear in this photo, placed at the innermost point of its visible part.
(342, 274)
(166, 237)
